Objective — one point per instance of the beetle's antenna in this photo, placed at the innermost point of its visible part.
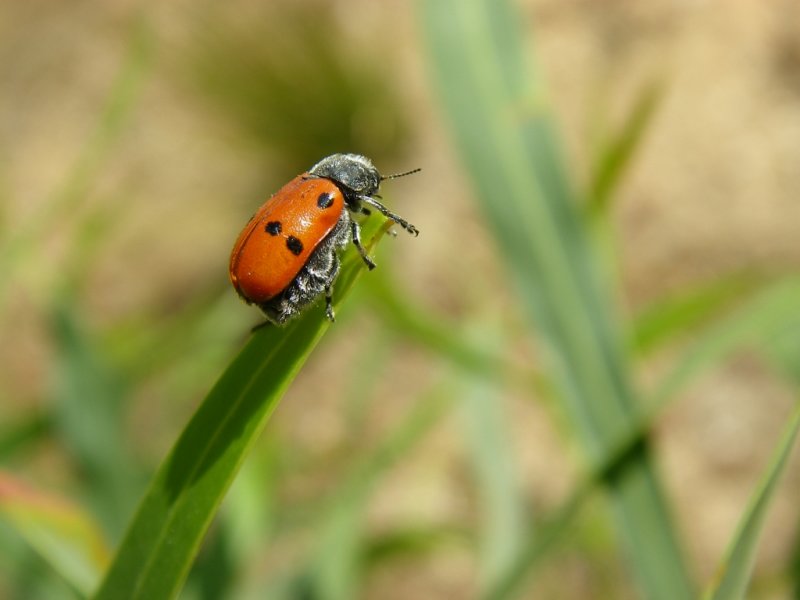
(395, 176)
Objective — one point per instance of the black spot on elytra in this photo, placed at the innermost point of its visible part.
(294, 245)
(273, 227)
(325, 200)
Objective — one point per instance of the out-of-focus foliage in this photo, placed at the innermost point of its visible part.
(433, 446)
(289, 80)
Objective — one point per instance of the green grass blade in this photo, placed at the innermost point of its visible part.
(505, 136)
(761, 319)
(734, 574)
(65, 536)
(679, 314)
(758, 321)
(783, 347)
(615, 157)
(554, 526)
(498, 489)
(163, 539)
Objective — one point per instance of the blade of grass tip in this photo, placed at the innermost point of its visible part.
(733, 575)
(65, 536)
(338, 561)
(615, 158)
(510, 150)
(176, 511)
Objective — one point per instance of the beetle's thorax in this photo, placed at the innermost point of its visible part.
(354, 173)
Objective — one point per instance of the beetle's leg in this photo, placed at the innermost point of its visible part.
(389, 214)
(260, 326)
(331, 277)
(355, 230)
(329, 305)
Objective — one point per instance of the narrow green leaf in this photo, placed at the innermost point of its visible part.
(734, 574)
(163, 539)
(505, 135)
(502, 507)
(682, 313)
(63, 534)
(616, 155)
(757, 322)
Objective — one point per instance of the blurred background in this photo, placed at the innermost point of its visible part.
(137, 138)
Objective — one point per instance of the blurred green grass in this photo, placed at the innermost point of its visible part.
(321, 542)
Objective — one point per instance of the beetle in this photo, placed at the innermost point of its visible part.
(287, 256)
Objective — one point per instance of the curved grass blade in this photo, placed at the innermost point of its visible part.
(163, 539)
(734, 574)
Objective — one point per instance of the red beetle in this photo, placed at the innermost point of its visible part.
(288, 254)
